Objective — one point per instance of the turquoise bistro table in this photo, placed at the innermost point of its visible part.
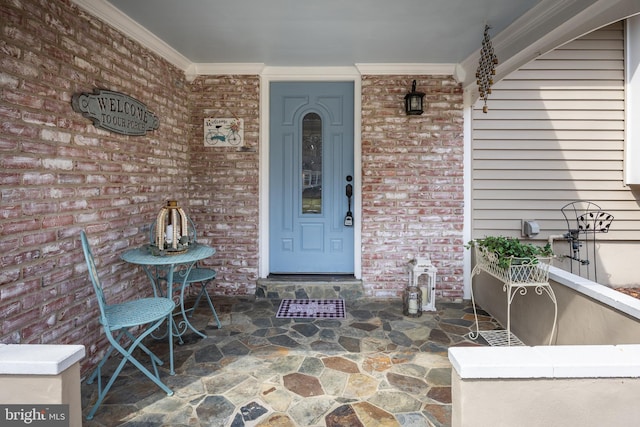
(168, 263)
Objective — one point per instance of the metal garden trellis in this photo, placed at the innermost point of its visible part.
(584, 220)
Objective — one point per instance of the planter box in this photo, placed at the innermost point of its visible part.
(525, 271)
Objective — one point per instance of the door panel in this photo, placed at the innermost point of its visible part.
(311, 154)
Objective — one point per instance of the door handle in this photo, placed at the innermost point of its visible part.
(348, 219)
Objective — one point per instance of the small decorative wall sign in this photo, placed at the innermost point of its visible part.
(223, 132)
(115, 112)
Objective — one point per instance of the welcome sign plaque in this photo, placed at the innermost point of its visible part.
(115, 112)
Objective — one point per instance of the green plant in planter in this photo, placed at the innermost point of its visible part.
(507, 248)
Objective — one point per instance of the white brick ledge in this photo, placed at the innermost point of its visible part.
(621, 302)
(38, 359)
(571, 361)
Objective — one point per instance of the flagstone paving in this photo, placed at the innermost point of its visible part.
(376, 367)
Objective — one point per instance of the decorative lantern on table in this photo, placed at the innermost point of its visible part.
(412, 302)
(172, 228)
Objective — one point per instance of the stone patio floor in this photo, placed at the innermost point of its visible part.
(376, 367)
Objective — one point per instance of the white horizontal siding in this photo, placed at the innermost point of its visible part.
(496, 105)
(543, 215)
(609, 94)
(573, 65)
(551, 184)
(525, 164)
(574, 76)
(552, 194)
(570, 145)
(532, 134)
(523, 114)
(509, 154)
(549, 124)
(514, 231)
(546, 174)
(554, 133)
(548, 204)
(567, 53)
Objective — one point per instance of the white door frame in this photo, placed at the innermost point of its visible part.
(272, 74)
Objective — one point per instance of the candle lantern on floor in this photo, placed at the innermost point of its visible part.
(171, 228)
(422, 274)
(412, 302)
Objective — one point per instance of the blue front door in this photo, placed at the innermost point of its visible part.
(311, 167)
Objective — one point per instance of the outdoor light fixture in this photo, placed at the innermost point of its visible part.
(413, 101)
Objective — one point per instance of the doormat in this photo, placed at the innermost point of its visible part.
(311, 309)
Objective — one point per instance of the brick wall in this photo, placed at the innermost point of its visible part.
(224, 180)
(412, 182)
(412, 177)
(59, 174)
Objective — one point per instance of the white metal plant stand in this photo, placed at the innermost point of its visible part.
(423, 267)
(521, 275)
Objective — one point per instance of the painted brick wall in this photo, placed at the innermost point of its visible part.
(59, 174)
(412, 182)
(224, 180)
(412, 176)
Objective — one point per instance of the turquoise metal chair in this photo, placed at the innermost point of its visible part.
(202, 276)
(197, 275)
(117, 320)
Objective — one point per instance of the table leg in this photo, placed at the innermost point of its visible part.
(169, 330)
(157, 291)
(152, 279)
(172, 323)
(185, 321)
(180, 328)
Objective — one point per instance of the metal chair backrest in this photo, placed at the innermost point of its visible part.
(93, 274)
(120, 321)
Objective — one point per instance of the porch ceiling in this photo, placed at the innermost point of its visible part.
(323, 33)
(215, 36)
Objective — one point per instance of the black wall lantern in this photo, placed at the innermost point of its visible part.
(413, 101)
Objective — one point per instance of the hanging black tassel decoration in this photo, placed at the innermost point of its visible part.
(486, 68)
